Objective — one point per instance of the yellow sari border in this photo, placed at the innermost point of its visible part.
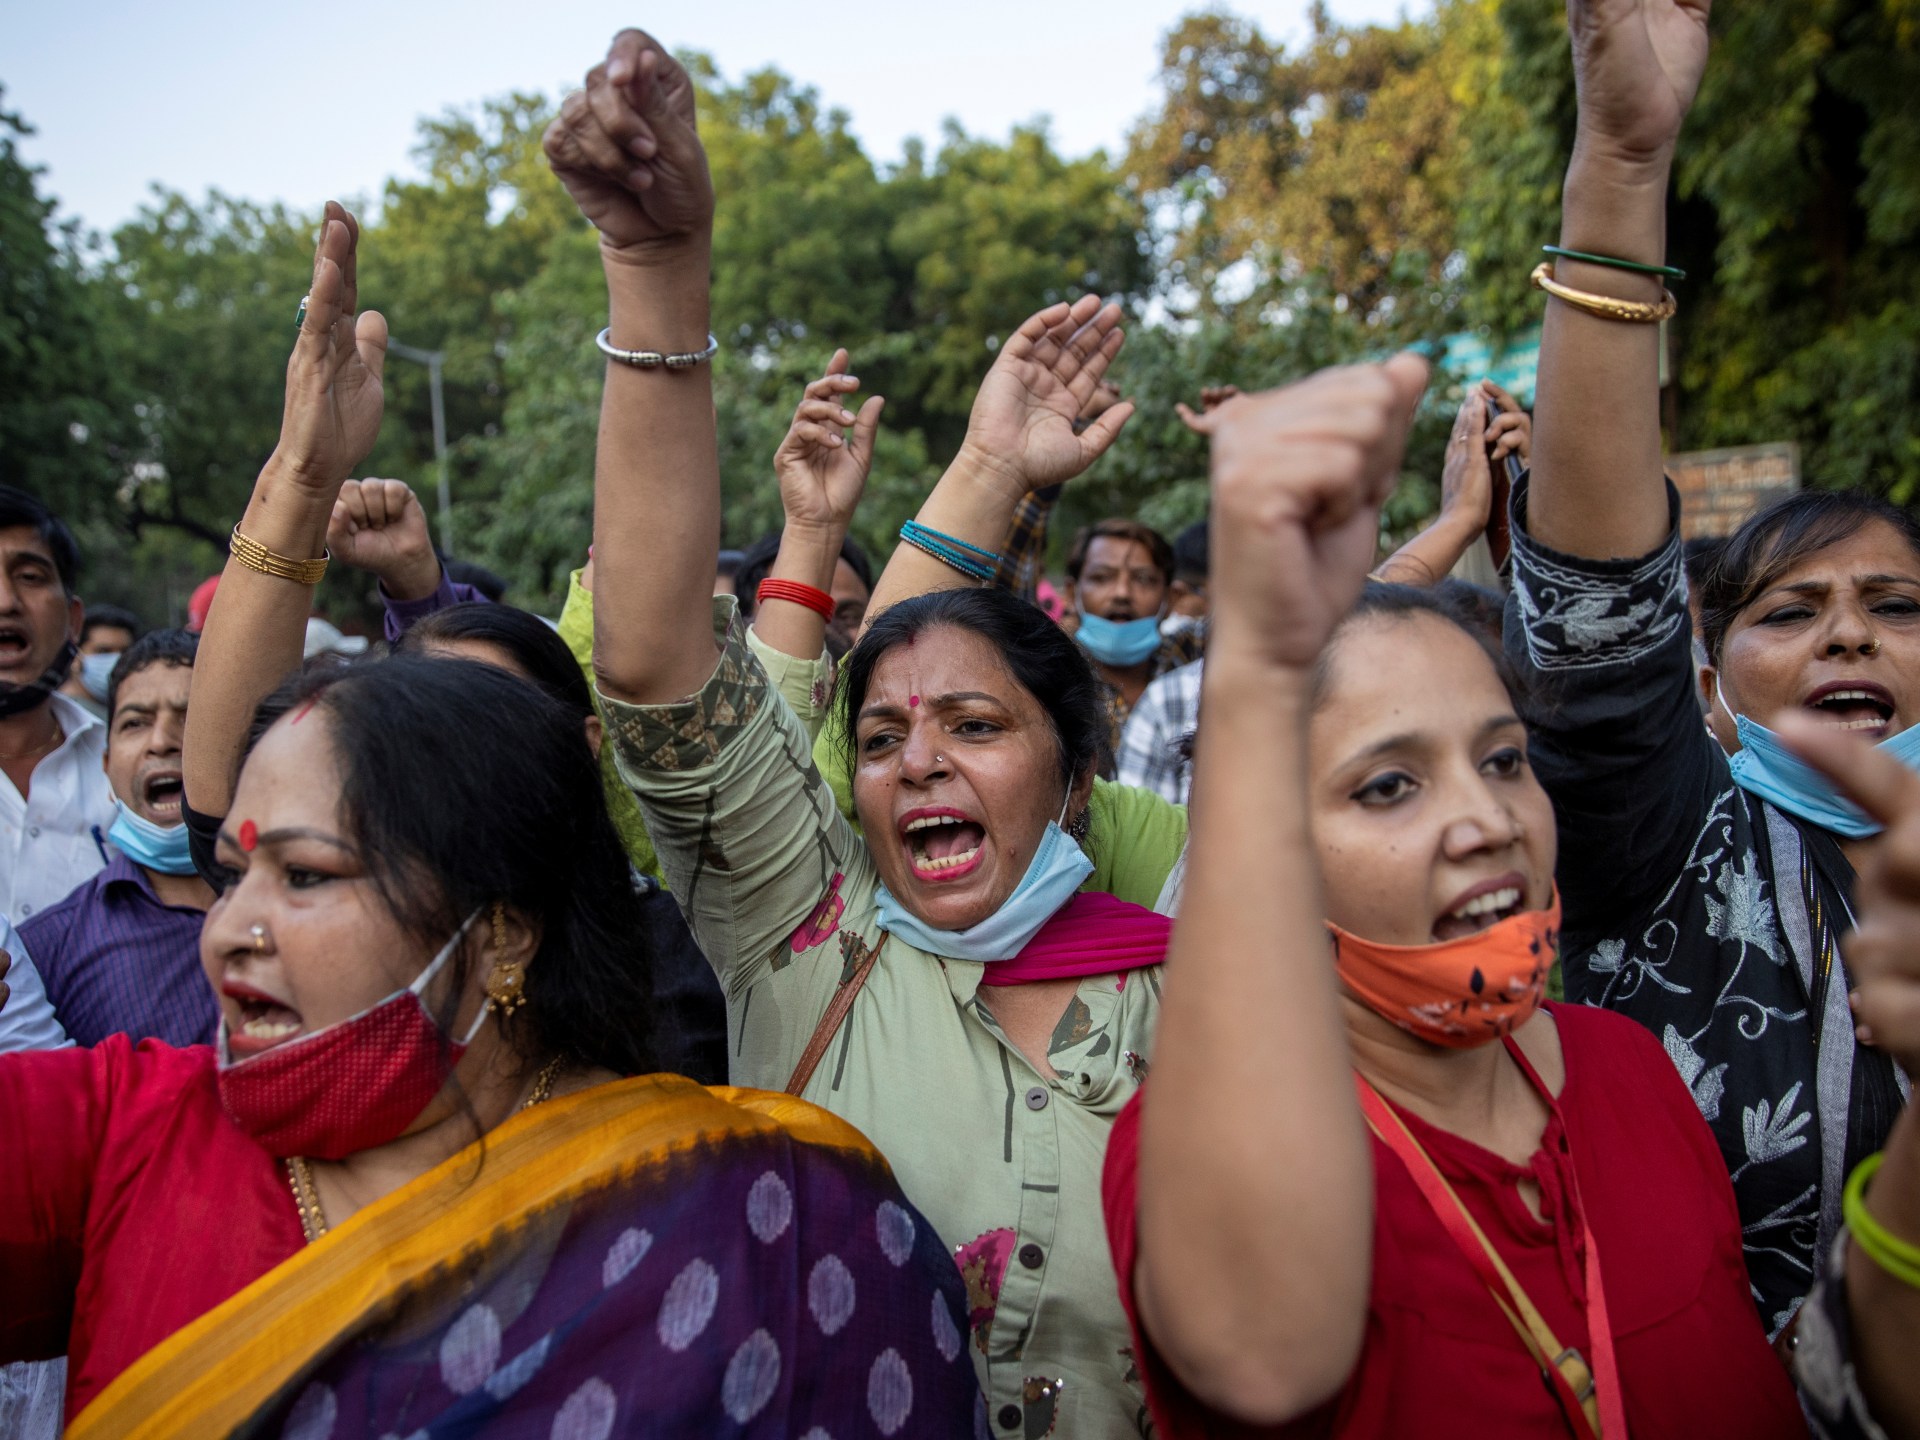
(207, 1378)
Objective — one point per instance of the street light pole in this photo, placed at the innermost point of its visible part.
(433, 359)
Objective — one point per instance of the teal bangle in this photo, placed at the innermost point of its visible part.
(1670, 272)
(954, 542)
(1899, 1258)
(954, 559)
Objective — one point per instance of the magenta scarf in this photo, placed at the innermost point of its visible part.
(1092, 934)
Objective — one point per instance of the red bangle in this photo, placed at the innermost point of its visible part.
(816, 600)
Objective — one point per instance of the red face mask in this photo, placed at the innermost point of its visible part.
(351, 1086)
(1459, 993)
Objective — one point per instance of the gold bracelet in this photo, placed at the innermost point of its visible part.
(1635, 312)
(255, 556)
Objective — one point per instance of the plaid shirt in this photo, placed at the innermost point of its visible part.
(1023, 557)
(1151, 752)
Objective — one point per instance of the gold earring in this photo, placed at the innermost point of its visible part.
(506, 985)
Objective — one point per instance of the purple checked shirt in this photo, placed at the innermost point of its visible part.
(115, 960)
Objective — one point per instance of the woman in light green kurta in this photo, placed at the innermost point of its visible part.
(992, 1105)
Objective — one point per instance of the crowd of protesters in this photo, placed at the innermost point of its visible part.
(1244, 986)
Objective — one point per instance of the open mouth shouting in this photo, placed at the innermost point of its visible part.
(1855, 705)
(15, 645)
(160, 795)
(264, 1021)
(942, 843)
(1479, 907)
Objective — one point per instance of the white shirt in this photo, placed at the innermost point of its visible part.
(27, 1020)
(46, 840)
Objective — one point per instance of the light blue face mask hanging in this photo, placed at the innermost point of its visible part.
(158, 847)
(1056, 872)
(1119, 642)
(95, 671)
(1764, 766)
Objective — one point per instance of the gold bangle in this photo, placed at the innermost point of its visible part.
(255, 556)
(1634, 312)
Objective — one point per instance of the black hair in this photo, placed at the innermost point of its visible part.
(1159, 552)
(1456, 603)
(156, 647)
(533, 645)
(1778, 538)
(1039, 654)
(756, 563)
(465, 572)
(1698, 556)
(1190, 554)
(109, 617)
(512, 813)
(18, 509)
(728, 563)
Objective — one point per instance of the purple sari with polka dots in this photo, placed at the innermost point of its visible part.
(747, 1280)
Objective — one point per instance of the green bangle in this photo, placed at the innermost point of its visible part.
(1899, 1258)
(1670, 272)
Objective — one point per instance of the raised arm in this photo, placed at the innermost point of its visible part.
(1466, 499)
(822, 466)
(1598, 490)
(1020, 437)
(628, 150)
(1255, 1220)
(257, 626)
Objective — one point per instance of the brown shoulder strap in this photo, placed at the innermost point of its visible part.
(829, 1025)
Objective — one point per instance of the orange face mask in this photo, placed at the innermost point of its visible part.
(1459, 993)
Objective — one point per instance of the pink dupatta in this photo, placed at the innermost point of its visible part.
(1092, 934)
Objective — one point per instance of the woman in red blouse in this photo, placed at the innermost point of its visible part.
(1395, 1194)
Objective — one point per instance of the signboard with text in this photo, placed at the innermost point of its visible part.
(1720, 488)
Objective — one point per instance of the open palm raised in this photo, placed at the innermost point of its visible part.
(1022, 426)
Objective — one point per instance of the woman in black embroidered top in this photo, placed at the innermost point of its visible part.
(1692, 904)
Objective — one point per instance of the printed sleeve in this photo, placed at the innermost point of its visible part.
(746, 829)
(1604, 649)
(53, 1110)
(806, 685)
(575, 628)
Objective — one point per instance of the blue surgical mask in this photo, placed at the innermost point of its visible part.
(1058, 868)
(158, 847)
(1119, 642)
(1764, 766)
(95, 671)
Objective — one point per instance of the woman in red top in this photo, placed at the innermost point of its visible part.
(1538, 1237)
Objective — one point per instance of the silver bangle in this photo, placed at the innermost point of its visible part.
(653, 359)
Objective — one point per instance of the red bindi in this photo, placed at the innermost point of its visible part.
(913, 700)
(249, 836)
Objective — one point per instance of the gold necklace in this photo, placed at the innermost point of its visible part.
(306, 1198)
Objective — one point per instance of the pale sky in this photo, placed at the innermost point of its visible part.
(303, 102)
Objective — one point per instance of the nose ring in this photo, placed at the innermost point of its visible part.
(259, 934)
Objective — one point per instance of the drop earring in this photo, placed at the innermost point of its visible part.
(506, 984)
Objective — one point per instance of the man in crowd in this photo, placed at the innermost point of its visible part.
(1122, 573)
(121, 954)
(105, 635)
(52, 752)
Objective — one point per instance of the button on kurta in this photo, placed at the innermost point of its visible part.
(1032, 1256)
(1037, 1098)
(1009, 1417)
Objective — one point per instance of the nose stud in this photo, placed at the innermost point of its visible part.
(1872, 647)
(259, 934)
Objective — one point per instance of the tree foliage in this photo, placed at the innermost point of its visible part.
(1280, 208)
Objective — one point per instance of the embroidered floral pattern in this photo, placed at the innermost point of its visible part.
(818, 927)
(983, 1265)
